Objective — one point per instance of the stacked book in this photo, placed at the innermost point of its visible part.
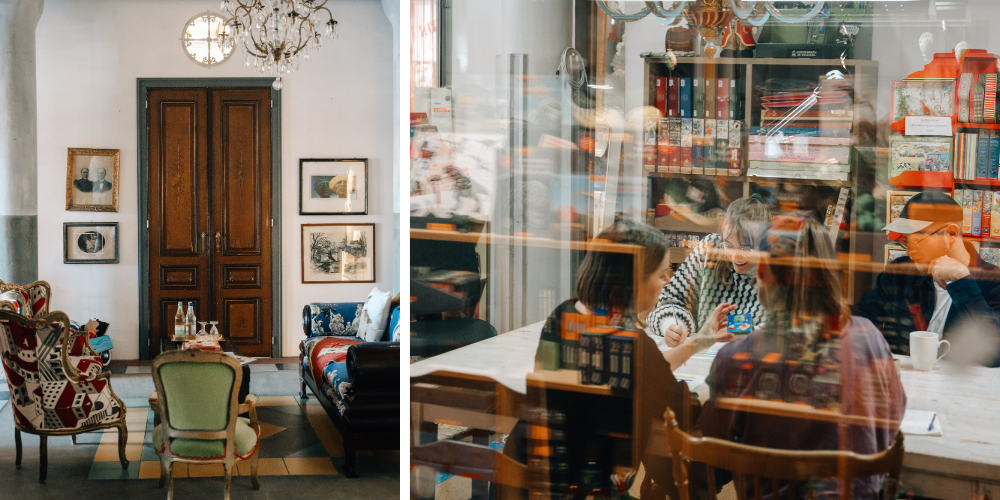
(800, 156)
(980, 212)
(977, 155)
(547, 449)
(977, 98)
(585, 342)
(699, 127)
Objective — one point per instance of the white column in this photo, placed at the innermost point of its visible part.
(18, 142)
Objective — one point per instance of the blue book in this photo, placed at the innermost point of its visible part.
(977, 212)
(685, 98)
(807, 132)
(994, 166)
(983, 154)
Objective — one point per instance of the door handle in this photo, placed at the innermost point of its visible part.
(218, 242)
(201, 243)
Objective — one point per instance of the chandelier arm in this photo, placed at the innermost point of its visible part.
(625, 18)
(661, 13)
(744, 16)
(793, 20)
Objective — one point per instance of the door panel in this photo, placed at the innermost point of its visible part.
(241, 157)
(177, 206)
(210, 212)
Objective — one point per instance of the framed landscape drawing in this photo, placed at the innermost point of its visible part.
(333, 187)
(92, 179)
(338, 253)
(90, 243)
(922, 98)
(894, 203)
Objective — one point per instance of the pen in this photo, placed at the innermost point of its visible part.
(931, 427)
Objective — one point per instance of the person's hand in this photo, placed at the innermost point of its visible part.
(715, 327)
(675, 335)
(946, 269)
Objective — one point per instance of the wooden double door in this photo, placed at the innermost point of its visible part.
(209, 208)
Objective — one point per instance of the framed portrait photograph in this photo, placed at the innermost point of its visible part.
(922, 98)
(916, 153)
(90, 243)
(894, 203)
(338, 253)
(92, 179)
(333, 187)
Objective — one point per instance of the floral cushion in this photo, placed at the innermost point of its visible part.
(335, 319)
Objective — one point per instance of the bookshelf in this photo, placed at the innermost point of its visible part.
(814, 194)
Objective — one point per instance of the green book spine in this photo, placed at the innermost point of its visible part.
(548, 354)
(698, 98)
(570, 354)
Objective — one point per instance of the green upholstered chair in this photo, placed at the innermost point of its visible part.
(197, 410)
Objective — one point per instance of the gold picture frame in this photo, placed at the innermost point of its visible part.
(894, 202)
(89, 187)
(892, 252)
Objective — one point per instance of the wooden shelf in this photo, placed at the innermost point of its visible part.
(978, 182)
(755, 179)
(991, 126)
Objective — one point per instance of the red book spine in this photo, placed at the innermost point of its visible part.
(661, 95)
(987, 209)
(722, 99)
(663, 145)
(673, 97)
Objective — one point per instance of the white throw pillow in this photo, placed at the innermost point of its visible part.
(374, 316)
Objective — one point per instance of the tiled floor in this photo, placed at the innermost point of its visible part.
(296, 439)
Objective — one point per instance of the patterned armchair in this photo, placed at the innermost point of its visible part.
(56, 384)
(31, 301)
(357, 382)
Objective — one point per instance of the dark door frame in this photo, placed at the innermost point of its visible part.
(142, 94)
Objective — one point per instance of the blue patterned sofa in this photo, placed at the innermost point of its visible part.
(357, 382)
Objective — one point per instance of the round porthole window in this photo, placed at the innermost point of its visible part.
(201, 42)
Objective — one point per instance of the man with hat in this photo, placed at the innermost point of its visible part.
(946, 286)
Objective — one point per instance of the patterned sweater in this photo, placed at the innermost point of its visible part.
(694, 291)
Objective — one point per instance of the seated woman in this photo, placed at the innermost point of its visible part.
(702, 283)
(842, 362)
(606, 294)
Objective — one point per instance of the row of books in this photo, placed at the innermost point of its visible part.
(794, 156)
(977, 155)
(704, 98)
(602, 354)
(547, 452)
(692, 146)
(980, 212)
(977, 98)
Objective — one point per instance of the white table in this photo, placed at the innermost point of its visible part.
(964, 463)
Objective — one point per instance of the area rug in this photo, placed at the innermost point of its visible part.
(297, 438)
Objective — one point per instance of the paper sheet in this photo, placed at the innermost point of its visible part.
(921, 423)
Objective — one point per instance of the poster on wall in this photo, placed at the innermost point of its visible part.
(92, 179)
(90, 243)
(333, 187)
(338, 253)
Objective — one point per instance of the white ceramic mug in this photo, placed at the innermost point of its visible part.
(924, 348)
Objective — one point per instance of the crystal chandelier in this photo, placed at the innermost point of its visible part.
(709, 17)
(277, 33)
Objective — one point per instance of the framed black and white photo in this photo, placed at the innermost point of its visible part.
(333, 187)
(338, 253)
(92, 179)
(90, 242)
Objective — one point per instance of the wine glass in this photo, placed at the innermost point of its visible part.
(202, 332)
(215, 330)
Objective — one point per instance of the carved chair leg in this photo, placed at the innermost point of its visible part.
(302, 383)
(163, 475)
(166, 468)
(253, 471)
(229, 477)
(73, 437)
(43, 458)
(122, 441)
(17, 449)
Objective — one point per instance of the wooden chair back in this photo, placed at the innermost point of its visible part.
(757, 464)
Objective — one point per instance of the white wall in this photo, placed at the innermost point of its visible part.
(90, 53)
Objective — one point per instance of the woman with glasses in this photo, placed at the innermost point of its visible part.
(703, 282)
